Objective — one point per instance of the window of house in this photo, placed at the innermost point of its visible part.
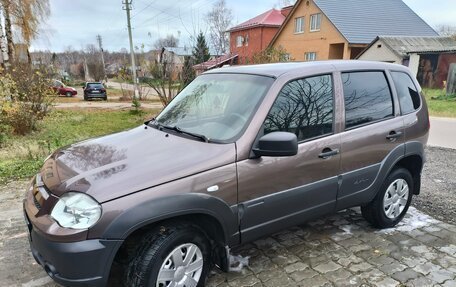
(246, 40)
(367, 98)
(315, 22)
(239, 41)
(311, 56)
(299, 25)
(303, 107)
(409, 98)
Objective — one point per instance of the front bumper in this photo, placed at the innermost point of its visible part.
(75, 263)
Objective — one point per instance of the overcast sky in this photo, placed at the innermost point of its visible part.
(77, 22)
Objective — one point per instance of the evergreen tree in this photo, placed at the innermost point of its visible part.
(201, 51)
(188, 74)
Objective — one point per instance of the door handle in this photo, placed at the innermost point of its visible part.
(394, 135)
(327, 153)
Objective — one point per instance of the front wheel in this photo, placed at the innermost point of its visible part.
(69, 94)
(175, 255)
(392, 201)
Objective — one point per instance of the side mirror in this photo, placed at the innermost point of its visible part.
(277, 144)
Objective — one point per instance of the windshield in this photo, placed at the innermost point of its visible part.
(216, 106)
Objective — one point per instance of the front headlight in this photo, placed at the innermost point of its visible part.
(76, 211)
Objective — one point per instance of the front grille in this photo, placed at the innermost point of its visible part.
(37, 204)
(40, 193)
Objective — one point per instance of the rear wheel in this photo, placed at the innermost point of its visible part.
(175, 255)
(392, 201)
(69, 94)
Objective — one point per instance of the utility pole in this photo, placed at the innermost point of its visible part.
(127, 7)
(100, 45)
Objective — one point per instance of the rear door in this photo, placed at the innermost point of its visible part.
(278, 192)
(373, 130)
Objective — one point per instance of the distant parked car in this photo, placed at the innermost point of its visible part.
(95, 90)
(62, 90)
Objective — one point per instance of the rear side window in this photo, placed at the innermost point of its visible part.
(409, 98)
(367, 98)
(303, 107)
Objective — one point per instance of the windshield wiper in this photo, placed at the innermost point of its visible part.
(181, 131)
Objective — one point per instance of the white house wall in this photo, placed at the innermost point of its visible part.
(382, 54)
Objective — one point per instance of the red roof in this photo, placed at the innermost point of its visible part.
(272, 17)
(217, 62)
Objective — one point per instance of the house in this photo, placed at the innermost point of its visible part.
(335, 29)
(218, 62)
(254, 35)
(429, 58)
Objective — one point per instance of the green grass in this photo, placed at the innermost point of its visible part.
(439, 104)
(22, 156)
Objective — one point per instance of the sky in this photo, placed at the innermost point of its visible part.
(76, 23)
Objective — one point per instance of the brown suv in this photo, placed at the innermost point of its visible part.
(240, 153)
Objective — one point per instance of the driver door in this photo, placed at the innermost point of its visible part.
(278, 192)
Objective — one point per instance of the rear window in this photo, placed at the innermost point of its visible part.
(409, 98)
(95, 86)
(367, 98)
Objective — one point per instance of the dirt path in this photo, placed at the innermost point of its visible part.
(104, 105)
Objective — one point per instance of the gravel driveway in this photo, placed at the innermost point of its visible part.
(438, 194)
(339, 250)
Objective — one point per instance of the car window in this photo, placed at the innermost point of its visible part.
(95, 86)
(409, 98)
(303, 107)
(367, 98)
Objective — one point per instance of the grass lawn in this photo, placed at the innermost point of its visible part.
(22, 156)
(441, 107)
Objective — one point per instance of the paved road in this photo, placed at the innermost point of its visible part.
(443, 132)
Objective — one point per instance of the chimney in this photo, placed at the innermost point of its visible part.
(286, 10)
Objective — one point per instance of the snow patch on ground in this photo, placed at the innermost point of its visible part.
(238, 262)
(414, 219)
(347, 229)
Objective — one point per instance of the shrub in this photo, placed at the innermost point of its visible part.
(24, 99)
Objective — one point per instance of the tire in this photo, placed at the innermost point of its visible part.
(105, 98)
(155, 249)
(380, 213)
(69, 94)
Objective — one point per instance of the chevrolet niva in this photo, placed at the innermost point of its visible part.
(240, 153)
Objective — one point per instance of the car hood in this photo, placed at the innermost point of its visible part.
(116, 165)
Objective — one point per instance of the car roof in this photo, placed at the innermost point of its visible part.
(280, 69)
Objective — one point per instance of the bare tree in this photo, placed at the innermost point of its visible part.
(447, 30)
(3, 48)
(219, 20)
(6, 6)
(168, 77)
(284, 3)
(168, 41)
(96, 70)
(26, 16)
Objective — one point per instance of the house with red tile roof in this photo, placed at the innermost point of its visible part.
(255, 35)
